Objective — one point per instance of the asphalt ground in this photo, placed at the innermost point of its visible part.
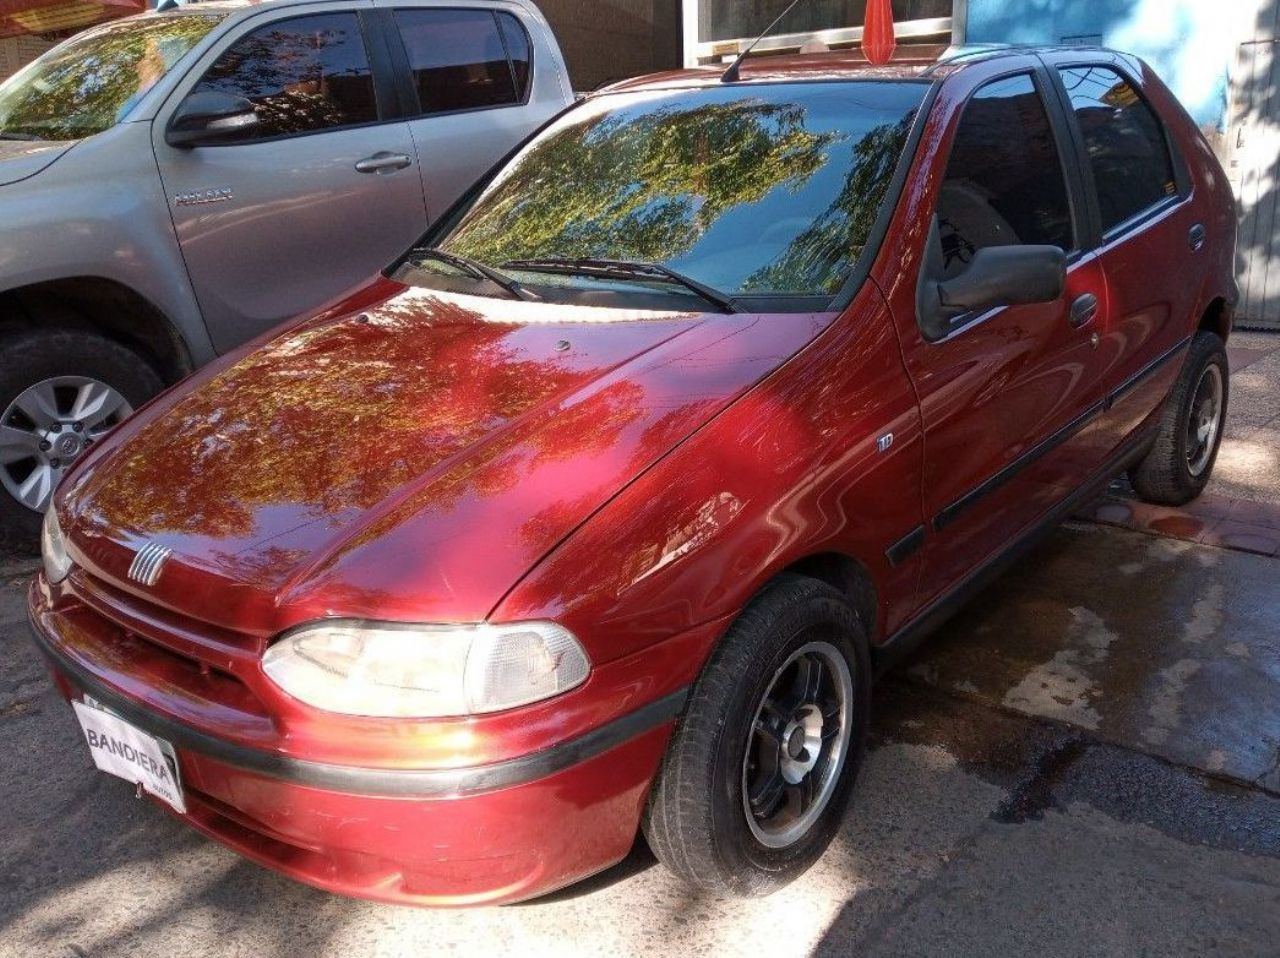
(1086, 761)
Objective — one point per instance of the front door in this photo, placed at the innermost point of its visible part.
(1008, 398)
(316, 198)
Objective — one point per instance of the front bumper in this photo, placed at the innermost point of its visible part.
(493, 833)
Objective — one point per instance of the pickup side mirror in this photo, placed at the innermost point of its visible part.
(997, 276)
(210, 117)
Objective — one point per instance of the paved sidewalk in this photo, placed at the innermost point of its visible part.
(1241, 508)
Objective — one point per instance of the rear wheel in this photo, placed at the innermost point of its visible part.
(1181, 461)
(759, 771)
(60, 392)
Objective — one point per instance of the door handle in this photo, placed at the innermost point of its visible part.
(383, 162)
(1196, 238)
(1084, 310)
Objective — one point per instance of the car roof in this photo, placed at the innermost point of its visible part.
(843, 65)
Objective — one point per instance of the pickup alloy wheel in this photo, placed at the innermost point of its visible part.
(60, 392)
(47, 428)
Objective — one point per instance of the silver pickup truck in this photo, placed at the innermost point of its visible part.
(174, 184)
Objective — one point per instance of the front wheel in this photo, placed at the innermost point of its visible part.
(758, 773)
(60, 392)
(1181, 461)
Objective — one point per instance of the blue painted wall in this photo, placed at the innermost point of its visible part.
(1190, 43)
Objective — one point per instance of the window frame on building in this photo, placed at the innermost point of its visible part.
(697, 51)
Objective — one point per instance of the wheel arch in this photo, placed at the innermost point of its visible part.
(104, 306)
(847, 574)
(1217, 318)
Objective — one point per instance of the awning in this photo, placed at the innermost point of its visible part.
(18, 17)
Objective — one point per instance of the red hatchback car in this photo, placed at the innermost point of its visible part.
(599, 511)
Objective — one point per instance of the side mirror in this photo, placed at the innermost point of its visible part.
(998, 276)
(1007, 276)
(210, 117)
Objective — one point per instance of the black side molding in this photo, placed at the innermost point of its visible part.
(391, 783)
(988, 486)
(905, 548)
(1136, 379)
(912, 635)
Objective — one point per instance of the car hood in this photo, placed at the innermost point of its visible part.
(407, 460)
(21, 159)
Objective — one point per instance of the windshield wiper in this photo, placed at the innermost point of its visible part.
(626, 269)
(479, 270)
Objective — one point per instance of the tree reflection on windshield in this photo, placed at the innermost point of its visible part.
(770, 190)
(87, 85)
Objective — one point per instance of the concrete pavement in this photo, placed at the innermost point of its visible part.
(1083, 763)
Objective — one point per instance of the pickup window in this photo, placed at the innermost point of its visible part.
(302, 75)
(465, 59)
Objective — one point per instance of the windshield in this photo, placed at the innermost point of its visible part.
(769, 190)
(89, 83)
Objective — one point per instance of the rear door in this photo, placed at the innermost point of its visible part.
(1008, 398)
(477, 81)
(316, 199)
(1151, 240)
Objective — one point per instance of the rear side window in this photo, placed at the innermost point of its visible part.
(1005, 184)
(465, 59)
(302, 75)
(1125, 141)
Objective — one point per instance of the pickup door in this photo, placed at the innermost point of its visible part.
(316, 198)
(470, 86)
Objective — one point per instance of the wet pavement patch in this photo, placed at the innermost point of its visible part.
(1151, 644)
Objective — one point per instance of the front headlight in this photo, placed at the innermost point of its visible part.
(425, 671)
(53, 548)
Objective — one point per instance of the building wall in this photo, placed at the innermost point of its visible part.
(17, 52)
(605, 40)
(1190, 43)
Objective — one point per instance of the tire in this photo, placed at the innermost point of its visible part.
(698, 821)
(48, 360)
(1179, 464)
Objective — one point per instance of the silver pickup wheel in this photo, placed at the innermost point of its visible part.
(60, 392)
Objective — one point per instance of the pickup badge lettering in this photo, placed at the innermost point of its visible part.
(202, 197)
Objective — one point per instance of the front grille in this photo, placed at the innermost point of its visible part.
(211, 669)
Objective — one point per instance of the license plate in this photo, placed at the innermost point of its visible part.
(124, 750)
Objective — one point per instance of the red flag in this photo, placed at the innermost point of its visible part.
(878, 41)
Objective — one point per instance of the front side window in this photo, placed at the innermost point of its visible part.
(88, 84)
(460, 58)
(767, 191)
(1125, 141)
(302, 75)
(1004, 184)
